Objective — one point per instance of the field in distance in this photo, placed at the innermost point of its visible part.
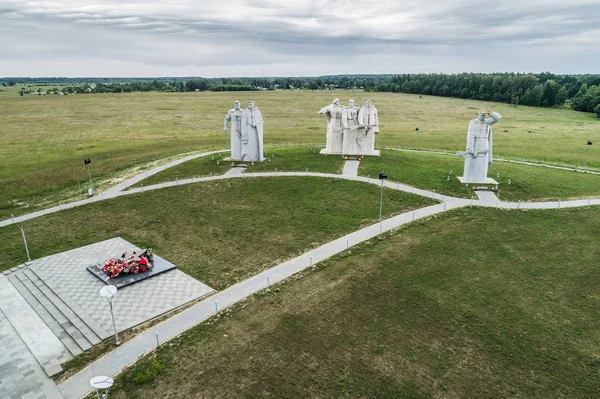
(45, 138)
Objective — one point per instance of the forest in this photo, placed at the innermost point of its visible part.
(580, 92)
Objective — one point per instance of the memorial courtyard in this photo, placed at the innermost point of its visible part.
(285, 281)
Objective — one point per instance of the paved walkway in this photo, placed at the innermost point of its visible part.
(21, 376)
(351, 168)
(128, 353)
(543, 165)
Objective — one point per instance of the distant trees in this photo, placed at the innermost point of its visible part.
(197, 84)
(587, 99)
(581, 92)
(541, 90)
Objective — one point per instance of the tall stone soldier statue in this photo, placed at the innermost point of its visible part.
(333, 112)
(478, 156)
(367, 118)
(234, 117)
(350, 143)
(252, 134)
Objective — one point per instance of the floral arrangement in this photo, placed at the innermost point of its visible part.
(129, 263)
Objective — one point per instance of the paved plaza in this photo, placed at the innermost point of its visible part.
(51, 311)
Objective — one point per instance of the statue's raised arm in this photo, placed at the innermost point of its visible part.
(494, 117)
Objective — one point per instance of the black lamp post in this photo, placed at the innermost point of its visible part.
(382, 177)
(589, 144)
(88, 162)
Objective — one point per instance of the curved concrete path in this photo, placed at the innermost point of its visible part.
(543, 165)
(114, 362)
(120, 188)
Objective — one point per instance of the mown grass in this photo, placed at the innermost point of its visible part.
(477, 303)
(217, 232)
(45, 138)
(212, 165)
(281, 159)
(431, 171)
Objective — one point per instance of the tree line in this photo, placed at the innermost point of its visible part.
(580, 92)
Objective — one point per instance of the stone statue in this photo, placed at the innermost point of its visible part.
(234, 117)
(252, 134)
(478, 156)
(352, 133)
(367, 118)
(333, 112)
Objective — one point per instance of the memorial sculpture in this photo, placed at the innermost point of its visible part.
(367, 118)
(351, 131)
(234, 118)
(129, 263)
(478, 156)
(352, 143)
(333, 112)
(252, 134)
(246, 133)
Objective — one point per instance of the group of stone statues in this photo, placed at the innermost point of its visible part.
(351, 130)
(246, 132)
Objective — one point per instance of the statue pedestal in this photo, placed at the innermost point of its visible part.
(375, 153)
(487, 181)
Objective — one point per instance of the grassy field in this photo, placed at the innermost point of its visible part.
(425, 313)
(422, 170)
(45, 138)
(282, 159)
(217, 232)
(431, 171)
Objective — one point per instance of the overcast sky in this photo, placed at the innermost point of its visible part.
(214, 38)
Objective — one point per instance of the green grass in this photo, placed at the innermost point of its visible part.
(200, 167)
(477, 303)
(298, 159)
(217, 232)
(45, 138)
(282, 159)
(430, 172)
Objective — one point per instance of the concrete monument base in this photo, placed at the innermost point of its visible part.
(487, 181)
(375, 153)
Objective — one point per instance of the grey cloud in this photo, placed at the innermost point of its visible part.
(302, 36)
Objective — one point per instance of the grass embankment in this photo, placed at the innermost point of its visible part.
(431, 171)
(45, 138)
(218, 232)
(478, 303)
(281, 159)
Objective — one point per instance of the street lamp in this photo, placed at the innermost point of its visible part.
(102, 382)
(108, 292)
(589, 144)
(24, 241)
(382, 177)
(417, 138)
(88, 162)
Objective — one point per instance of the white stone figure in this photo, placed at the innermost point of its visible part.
(333, 112)
(234, 118)
(478, 156)
(367, 118)
(352, 133)
(252, 134)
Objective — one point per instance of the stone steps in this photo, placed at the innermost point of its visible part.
(50, 321)
(75, 334)
(88, 334)
(98, 330)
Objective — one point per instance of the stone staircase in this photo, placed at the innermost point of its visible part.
(76, 330)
